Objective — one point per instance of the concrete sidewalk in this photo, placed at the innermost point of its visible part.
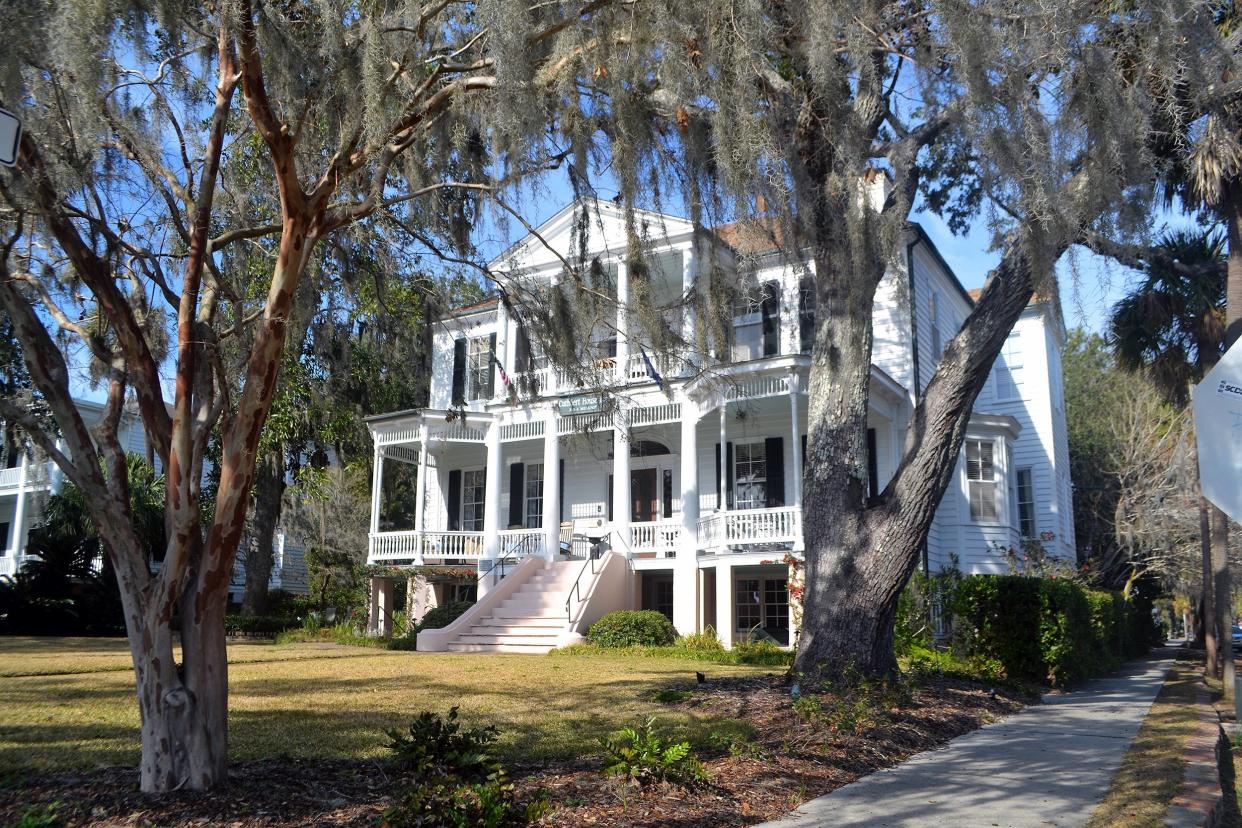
(1046, 766)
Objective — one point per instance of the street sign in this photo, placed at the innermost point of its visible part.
(10, 136)
(1218, 433)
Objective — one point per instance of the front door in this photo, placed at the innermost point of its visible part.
(644, 495)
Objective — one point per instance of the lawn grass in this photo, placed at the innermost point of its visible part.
(69, 703)
(1152, 770)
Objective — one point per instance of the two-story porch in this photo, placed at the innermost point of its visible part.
(697, 487)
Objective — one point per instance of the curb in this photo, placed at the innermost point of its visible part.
(1200, 801)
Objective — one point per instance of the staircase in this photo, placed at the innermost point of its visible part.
(531, 620)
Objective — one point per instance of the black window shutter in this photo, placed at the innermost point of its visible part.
(610, 497)
(804, 455)
(774, 459)
(459, 372)
(668, 493)
(771, 310)
(873, 474)
(561, 491)
(728, 478)
(454, 499)
(490, 390)
(521, 352)
(517, 493)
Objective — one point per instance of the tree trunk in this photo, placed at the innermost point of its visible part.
(269, 489)
(1209, 629)
(860, 556)
(1220, 523)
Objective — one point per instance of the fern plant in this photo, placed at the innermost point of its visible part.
(438, 745)
(642, 755)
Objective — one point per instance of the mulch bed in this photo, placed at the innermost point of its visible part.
(789, 758)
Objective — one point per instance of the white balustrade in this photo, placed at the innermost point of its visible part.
(9, 478)
(387, 546)
(660, 537)
(744, 526)
(521, 542)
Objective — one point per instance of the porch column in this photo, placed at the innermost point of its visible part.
(623, 322)
(685, 568)
(19, 510)
(420, 493)
(491, 514)
(688, 292)
(795, 388)
(551, 485)
(377, 485)
(379, 620)
(620, 484)
(724, 602)
(723, 503)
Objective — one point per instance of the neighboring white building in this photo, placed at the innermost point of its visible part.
(692, 531)
(27, 482)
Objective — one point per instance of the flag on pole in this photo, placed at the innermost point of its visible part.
(510, 388)
(651, 371)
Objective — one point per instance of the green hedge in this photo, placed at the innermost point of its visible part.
(436, 618)
(632, 628)
(258, 624)
(1045, 629)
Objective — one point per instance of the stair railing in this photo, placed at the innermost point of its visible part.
(575, 591)
(524, 546)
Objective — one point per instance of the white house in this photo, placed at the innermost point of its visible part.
(570, 508)
(27, 481)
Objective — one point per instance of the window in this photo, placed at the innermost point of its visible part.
(454, 593)
(1008, 369)
(750, 476)
(534, 496)
(981, 479)
(749, 608)
(776, 608)
(933, 311)
(479, 368)
(748, 326)
(1026, 503)
(4, 539)
(806, 314)
(473, 500)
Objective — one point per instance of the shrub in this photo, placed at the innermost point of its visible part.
(440, 617)
(438, 744)
(629, 628)
(705, 641)
(641, 755)
(46, 816)
(761, 651)
(455, 780)
(258, 624)
(1044, 629)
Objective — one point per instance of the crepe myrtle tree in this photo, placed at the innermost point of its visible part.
(120, 206)
(1025, 113)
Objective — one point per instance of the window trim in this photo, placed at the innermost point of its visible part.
(993, 482)
(1020, 504)
(482, 520)
(532, 519)
(749, 445)
(1008, 363)
(475, 372)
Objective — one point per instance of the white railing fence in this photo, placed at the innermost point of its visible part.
(387, 546)
(782, 524)
(521, 542)
(660, 537)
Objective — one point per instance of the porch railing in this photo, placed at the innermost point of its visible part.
(521, 542)
(782, 524)
(661, 538)
(387, 546)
